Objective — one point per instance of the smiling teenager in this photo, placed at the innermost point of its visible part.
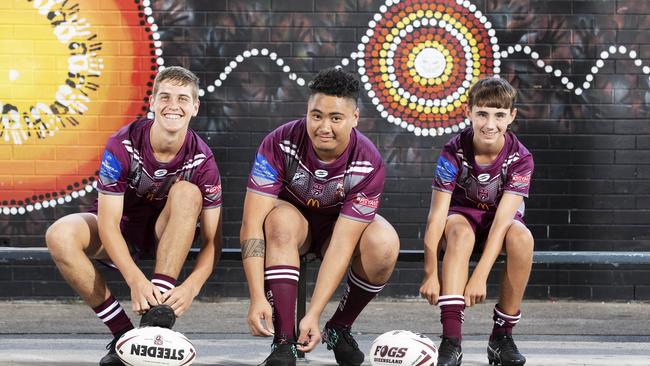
(157, 178)
(477, 205)
(315, 188)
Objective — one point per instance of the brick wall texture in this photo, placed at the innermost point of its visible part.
(591, 187)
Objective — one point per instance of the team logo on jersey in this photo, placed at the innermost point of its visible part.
(320, 173)
(483, 177)
(483, 194)
(158, 341)
(445, 171)
(263, 173)
(160, 172)
(365, 205)
(317, 189)
(110, 168)
(312, 202)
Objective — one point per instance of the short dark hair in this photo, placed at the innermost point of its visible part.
(180, 76)
(336, 82)
(493, 92)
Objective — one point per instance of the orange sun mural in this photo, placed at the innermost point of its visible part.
(71, 74)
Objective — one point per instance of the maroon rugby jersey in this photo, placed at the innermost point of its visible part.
(287, 167)
(476, 186)
(130, 168)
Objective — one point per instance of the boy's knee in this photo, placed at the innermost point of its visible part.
(282, 228)
(186, 196)
(58, 240)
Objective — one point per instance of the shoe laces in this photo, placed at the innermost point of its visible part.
(292, 347)
(335, 335)
(448, 347)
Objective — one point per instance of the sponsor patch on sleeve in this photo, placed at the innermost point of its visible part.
(520, 180)
(110, 168)
(263, 173)
(365, 205)
(445, 170)
(212, 192)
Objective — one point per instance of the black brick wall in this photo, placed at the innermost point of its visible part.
(591, 188)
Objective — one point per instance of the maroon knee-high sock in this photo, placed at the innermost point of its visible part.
(357, 294)
(503, 323)
(452, 315)
(113, 315)
(163, 282)
(281, 287)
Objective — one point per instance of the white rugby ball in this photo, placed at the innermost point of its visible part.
(403, 347)
(157, 346)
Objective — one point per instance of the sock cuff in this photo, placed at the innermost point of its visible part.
(163, 282)
(446, 300)
(288, 274)
(357, 281)
(108, 310)
(514, 319)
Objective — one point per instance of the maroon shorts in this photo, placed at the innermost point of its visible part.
(320, 229)
(139, 232)
(480, 221)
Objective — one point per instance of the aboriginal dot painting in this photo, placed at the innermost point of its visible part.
(71, 74)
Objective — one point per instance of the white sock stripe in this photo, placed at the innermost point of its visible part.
(113, 315)
(364, 285)
(108, 309)
(509, 318)
(278, 277)
(283, 271)
(455, 302)
(451, 297)
(162, 283)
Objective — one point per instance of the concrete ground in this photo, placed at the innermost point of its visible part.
(550, 333)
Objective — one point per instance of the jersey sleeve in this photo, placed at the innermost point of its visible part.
(267, 174)
(446, 171)
(113, 169)
(362, 201)
(519, 176)
(209, 182)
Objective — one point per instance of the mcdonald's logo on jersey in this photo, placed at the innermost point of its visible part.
(312, 202)
(482, 206)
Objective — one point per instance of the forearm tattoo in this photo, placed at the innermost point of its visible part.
(253, 248)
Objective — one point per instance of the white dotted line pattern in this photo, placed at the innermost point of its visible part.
(253, 52)
(50, 203)
(589, 78)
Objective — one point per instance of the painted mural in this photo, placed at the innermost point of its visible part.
(73, 72)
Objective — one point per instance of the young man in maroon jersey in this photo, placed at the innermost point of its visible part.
(156, 179)
(479, 185)
(315, 187)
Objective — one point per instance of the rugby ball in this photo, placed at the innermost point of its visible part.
(155, 346)
(403, 347)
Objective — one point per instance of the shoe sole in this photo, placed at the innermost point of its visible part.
(494, 359)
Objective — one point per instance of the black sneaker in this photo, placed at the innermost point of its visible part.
(283, 353)
(346, 350)
(111, 359)
(450, 353)
(503, 351)
(159, 316)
